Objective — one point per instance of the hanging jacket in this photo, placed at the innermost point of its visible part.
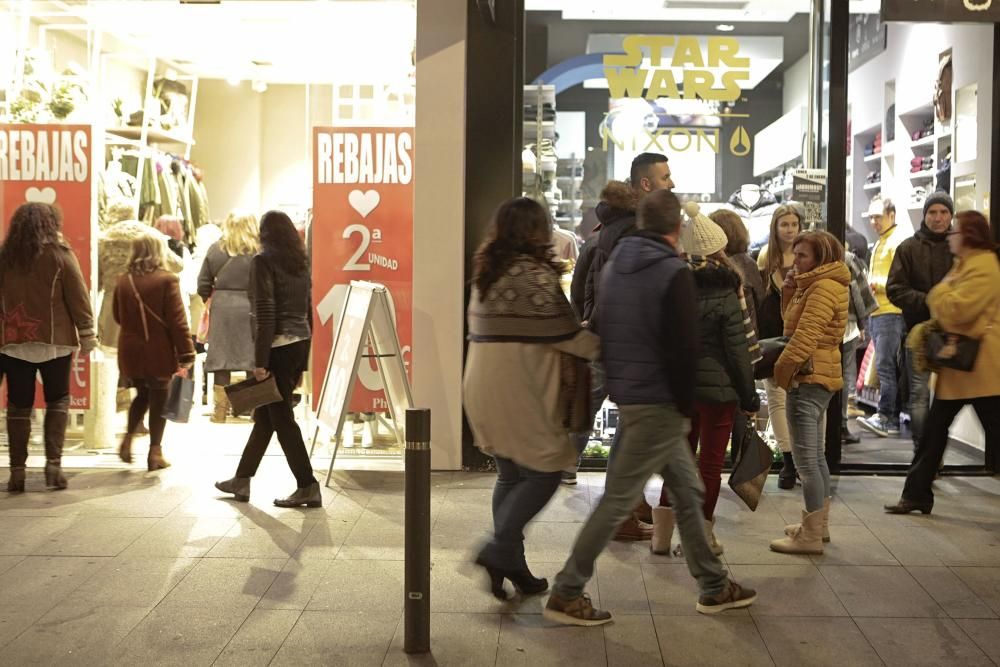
(815, 314)
(881, 263)
(756, 217)
(725, 373)
(616, 212)
(920, 263)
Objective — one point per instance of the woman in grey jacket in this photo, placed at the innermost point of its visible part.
(225, 279)
(281, 303)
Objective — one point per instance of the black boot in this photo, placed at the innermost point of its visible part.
(238, 486)
(847, 437)
(56, 417)
(786, 478)
(309, 496)
(18, 433)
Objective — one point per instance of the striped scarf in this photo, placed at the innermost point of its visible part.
(752, 343)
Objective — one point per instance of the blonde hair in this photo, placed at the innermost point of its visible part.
(147, 253)
(774, 254)
(240, 234)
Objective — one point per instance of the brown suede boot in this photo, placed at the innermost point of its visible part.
(633, 530)
(56, 417)
(18, 433)
(221, 409)
(644, 511)
(155, 460)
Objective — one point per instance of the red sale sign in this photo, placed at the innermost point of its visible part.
(362, 230)
(52, 164)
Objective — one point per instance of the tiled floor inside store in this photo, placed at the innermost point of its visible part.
(128, 568)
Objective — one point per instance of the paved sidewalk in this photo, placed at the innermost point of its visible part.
(131, 568)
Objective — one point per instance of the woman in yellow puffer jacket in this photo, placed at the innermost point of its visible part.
(966, 302)
(814, 303)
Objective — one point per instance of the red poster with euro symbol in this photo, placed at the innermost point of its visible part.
(362, 229)
(52, 164)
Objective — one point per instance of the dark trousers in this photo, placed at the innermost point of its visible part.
(711, 427)
(519, 494)
(21, 380)
(288, 362)
(150, 395)
(932, 444)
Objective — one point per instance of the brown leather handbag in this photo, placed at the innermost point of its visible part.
(574, 393)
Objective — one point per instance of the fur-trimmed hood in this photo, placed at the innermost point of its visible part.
(618, 200)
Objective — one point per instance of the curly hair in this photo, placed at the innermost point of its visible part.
(521, 226)
(147, 253)
(280, 242)
(32, 226)
(240, 234)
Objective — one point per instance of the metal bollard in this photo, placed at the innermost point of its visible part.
(417, 586)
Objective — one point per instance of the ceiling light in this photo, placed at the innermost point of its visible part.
(725, 27)
(258, 86)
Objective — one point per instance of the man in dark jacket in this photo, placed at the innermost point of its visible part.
(649, 335)
(921, 262)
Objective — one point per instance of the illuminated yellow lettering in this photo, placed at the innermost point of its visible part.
(625, 82)
(653, 139)
(731, 86)
(656, 44)
(632, 56)
(607, 134)
(703, 137)
(722, 52)
(687, 53)
(679, 133)
(698, 84)
(662, 85)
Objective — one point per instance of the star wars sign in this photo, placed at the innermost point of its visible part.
(942, 11)
(51, 164)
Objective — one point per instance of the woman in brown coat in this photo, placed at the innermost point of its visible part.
(154, 342)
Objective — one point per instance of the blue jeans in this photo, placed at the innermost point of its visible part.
(920, 399)
(519, 494)
(654, 441)
(806, 406)
(888, 332)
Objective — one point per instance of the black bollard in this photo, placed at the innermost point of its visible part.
(417, 585)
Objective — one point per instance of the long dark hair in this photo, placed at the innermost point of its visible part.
(32, 226)
(520, 227)
(280, 242)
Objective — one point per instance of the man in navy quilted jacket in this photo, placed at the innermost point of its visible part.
(648, 328)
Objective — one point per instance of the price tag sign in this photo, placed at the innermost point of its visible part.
(362, 230)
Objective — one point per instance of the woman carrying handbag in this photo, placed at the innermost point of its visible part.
(966, 304)
(281, 307)
(154, 341)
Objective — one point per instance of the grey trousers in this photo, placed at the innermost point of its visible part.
(654, 441)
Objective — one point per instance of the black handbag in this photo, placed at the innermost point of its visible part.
(750, 468)
(770, 349)
(180, 395)
(247, 396)
(950, 350)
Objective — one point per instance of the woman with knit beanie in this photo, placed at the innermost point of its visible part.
(724, 380)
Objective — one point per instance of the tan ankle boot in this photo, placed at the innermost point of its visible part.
(663, 530)
(792, 527)
(808, 539)
(221, 409)
(715, 545)
(155, 460)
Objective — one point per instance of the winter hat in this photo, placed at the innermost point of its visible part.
(939, 197)
(701, 236)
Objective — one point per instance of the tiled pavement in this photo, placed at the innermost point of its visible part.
(130, 568)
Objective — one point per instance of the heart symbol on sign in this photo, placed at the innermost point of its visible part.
(43, 196)
(364, 202)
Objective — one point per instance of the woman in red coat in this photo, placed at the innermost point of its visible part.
(154, 342)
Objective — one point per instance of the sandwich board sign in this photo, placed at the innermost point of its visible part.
(365, 330)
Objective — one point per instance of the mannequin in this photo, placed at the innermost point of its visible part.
(749, 195)
(754, 204)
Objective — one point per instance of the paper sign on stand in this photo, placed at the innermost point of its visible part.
(365, 322)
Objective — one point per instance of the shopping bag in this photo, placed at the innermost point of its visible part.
(753, 462)
(201, 335)
(247, 396)
(180, 395)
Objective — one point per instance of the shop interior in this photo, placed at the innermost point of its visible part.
(901, 146)
(200, 110)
